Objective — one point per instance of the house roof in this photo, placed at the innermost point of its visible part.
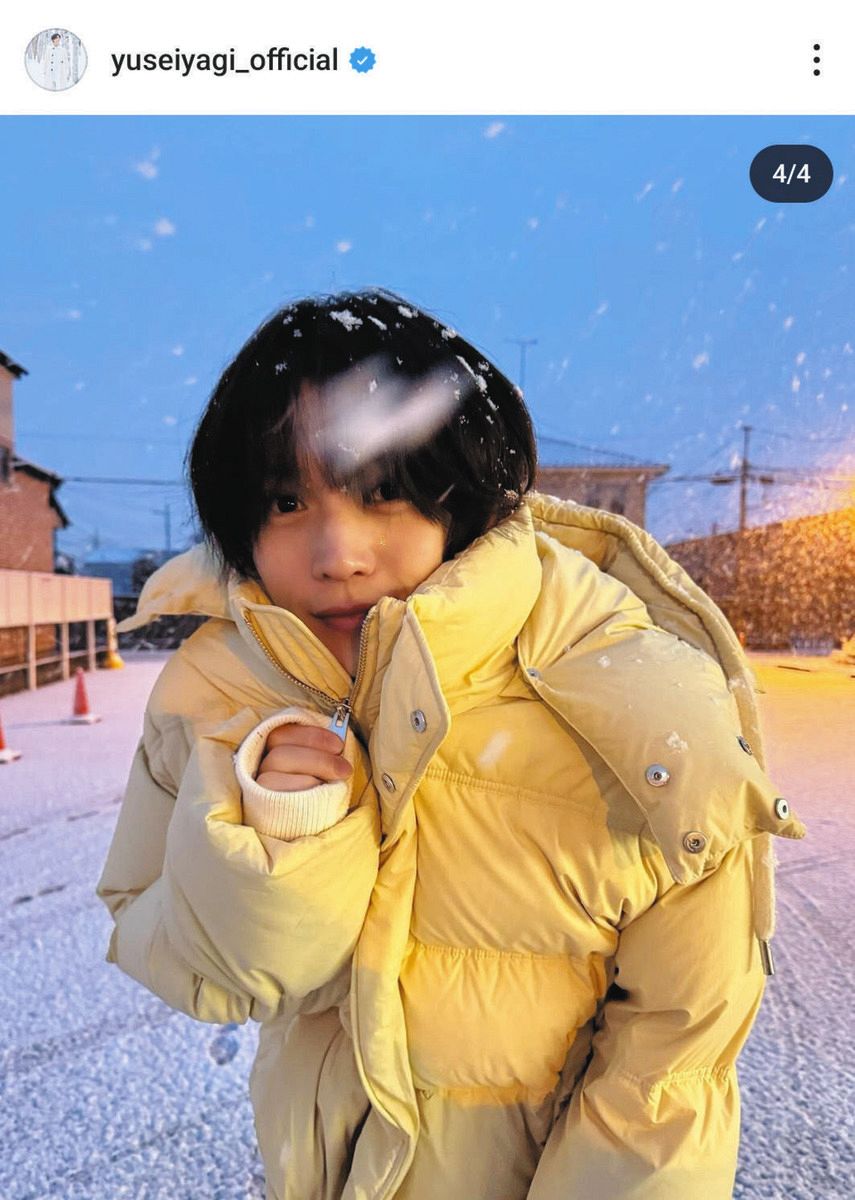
(577, 456)
(24, 464)
(30, 468)
(15, 368)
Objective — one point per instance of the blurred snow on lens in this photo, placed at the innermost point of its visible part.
(368, 411)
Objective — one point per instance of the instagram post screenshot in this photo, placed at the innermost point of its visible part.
(427, 603)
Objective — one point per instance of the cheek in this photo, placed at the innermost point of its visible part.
(261, 556)
(270, 559)
(426, 547)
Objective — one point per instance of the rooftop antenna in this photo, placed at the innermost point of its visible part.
(523, 344)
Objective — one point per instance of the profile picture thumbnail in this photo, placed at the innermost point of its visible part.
(55, 59)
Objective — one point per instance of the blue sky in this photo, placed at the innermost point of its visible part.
(670, 302)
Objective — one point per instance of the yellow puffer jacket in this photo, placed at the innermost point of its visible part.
(524, 962)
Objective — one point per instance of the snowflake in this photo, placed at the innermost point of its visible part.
(494, 748)
(675, 742)
(347, 319)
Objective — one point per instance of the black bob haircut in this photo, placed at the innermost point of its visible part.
(467, 473)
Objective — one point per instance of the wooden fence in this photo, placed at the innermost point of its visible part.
(47, 621)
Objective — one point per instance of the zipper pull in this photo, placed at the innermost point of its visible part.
(341, 719)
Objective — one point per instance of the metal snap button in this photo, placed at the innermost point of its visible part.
(388, 782)
(694, 842)
(782, 809)
(417, 720)
(533, 672)
(744, 744)
(657, 775)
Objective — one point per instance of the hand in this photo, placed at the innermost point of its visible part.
(301, 756)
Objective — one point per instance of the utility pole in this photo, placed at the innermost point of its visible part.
(167, 523)
(523, 344)
(744, 470)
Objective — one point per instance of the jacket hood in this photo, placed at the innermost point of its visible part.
(189, 583)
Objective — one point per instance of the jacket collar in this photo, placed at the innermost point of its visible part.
(467, 624)
(463, 590)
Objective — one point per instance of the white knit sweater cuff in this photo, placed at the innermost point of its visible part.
(286, 815)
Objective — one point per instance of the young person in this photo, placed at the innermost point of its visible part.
(457, 791)
(57, 65)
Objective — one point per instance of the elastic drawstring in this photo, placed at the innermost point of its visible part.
(764, 898)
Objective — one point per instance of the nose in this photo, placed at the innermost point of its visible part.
(344, 542)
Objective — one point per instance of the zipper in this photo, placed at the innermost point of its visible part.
(343, 708)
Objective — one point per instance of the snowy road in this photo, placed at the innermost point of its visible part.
(107, 1093)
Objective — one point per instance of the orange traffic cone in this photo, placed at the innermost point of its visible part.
(81, 714)
(6, 755)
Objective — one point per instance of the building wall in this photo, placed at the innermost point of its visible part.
(784, 584)
(27, 523)
(617, 491)
(6, 430)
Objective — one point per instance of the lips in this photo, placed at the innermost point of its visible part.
(345, 620)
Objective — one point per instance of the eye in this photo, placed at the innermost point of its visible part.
(384, 492)
(286, 502)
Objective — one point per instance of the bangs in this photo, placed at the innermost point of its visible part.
(358, 430)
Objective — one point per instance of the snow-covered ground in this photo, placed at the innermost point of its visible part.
(107, 1093)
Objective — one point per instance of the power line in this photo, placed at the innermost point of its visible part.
(144, 482)
(97, 437)
(733, 476)
(630, 458)
(747, 472)
(807, 471)
(792, 437)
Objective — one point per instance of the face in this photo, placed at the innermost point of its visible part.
(321, 550)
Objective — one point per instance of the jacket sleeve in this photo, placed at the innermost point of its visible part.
(132, 889)
(292, 814)
(220, 921)
(656, 1115)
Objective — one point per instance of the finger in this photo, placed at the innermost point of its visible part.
(305, 735)
(278, 781)
(305, 760)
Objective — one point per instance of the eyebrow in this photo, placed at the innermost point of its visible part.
(280, 482)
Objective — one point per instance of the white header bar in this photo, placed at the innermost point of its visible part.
(444, 57)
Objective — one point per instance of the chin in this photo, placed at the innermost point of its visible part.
(346, 651)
